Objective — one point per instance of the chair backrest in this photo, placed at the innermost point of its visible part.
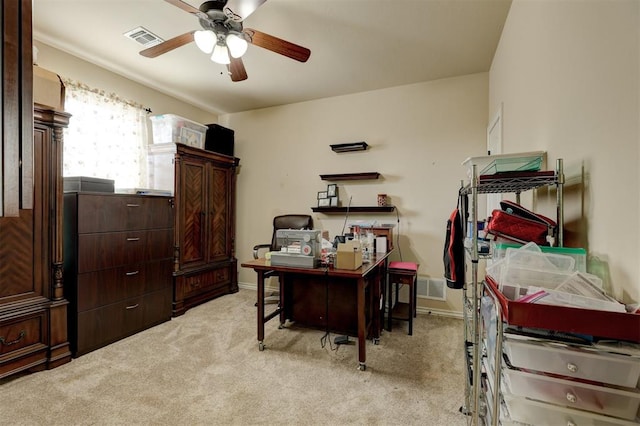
(289, 221)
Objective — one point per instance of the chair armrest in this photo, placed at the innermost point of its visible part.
(258, 247)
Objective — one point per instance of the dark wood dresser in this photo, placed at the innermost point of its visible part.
(118, 255)
(205, 265)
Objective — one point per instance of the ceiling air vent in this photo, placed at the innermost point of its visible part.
(143, 36)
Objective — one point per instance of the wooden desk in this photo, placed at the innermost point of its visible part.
(367, 284)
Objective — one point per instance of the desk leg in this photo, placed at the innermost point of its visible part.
(376, 300)
(282, 300)
(362, 325)
(260, 285)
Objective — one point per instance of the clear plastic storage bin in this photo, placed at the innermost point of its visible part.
(579, 255)
(161, 166)
(608, 400)
(170, 128)
(582, 363)
(517, 164)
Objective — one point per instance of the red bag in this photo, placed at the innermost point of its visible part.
(515, 223)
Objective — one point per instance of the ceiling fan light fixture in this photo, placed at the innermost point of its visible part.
(220, 54)
(205, 40)
(237, 45)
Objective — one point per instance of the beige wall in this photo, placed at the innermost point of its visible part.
(69, 66)
(567, 75)
(418, 135)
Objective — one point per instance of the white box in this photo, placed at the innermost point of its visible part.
(161, 166)
(381, 245)
(170, 128)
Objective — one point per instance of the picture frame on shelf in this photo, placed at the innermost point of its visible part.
(332, 190)
(333, 201)
(322, 195)
(324, 202)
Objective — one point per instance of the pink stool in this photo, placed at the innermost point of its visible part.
(402, 273)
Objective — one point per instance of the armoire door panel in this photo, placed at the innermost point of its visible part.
(219, 214)
(16, 257)
(194, 212)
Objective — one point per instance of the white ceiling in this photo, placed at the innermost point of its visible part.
(356, 46)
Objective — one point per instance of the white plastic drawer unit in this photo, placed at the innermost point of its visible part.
(527, 411)
(572, 361)
(607, 400)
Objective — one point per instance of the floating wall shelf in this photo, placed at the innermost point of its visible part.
(351, 176)
(349, 147)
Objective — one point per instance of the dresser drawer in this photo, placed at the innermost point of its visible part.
(205, 281)
(99, 288)
(99, 213)
(114, 249)
(22, 336)
(101, 326)
(571, 361)
(608, 400)
(528, 411)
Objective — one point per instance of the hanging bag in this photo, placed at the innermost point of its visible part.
(454, 256)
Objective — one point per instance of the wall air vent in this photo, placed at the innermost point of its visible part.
(143, 36)
(432, 288)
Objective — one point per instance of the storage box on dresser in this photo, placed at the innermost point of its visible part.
(118, 262)
(206, 266)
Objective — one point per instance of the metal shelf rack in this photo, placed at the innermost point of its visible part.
(511, 182)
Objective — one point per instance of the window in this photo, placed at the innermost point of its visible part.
(106, 137)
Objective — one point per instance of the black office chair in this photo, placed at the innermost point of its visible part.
(286, 221)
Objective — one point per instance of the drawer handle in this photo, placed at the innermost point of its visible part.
(133, 205)
(132, 273)
(13, 342)
(571, 397)
(572, 367)
(133, 239)
(132, 306)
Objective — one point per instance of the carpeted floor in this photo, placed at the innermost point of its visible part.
(204, 368)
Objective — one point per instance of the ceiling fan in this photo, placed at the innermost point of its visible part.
(224, 36)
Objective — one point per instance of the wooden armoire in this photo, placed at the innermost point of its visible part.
(33, 311)
(205, 265)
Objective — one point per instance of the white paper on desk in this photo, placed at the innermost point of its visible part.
(381, 245)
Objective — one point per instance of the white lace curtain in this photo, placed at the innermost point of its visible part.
(106, 137)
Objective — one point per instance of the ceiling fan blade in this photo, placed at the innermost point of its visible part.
(184, 6)
(168, 45)
(236, 69)
(238, 10)
(277, 45)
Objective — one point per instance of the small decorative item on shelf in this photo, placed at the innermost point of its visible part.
(334, 201)
(322, 195)
(324, 202)
(382, 200)
(332, 190)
